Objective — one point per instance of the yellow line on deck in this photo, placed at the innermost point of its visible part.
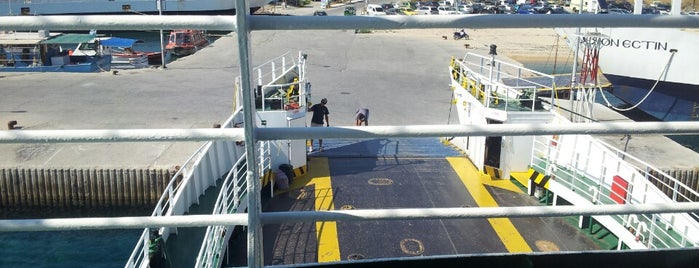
(326, 231)
(473, 180)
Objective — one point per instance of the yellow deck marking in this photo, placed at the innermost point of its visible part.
(521, 177)
(473, 180)
(326, 231)
(502, 184)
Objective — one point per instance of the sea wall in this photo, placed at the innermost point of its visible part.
(689, 177)
(31, 189)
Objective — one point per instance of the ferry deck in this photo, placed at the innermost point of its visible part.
(403, 173)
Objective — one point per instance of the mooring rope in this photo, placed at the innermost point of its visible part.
(667, 66)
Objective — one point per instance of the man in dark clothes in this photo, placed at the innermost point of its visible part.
(362, 117)
(320, 117)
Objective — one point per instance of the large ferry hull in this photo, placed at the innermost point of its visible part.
(639, 60)
(84, 7)
(667, 102)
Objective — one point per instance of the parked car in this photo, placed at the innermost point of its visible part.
(320, 13)
(350, 11)
(526, 9)
(558, 9)
(541, 8)
(427, 10)
(447, 10)
(407, 11)
(617, 11)
(375, 10)
(392, 11)
(465, 9)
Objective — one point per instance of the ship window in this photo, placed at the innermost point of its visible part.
(25, 11)
(125, 7)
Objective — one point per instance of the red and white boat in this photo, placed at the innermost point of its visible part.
(185, 42)
(124, 56)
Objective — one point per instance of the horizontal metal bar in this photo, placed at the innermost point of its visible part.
(66, 224)
(116, 22)
(261, 22)
(473, 213)
(299, 133)
(480, 130)
(478, 21)
(119, 135)
(341, 215)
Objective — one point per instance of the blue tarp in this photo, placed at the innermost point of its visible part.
(120, 42)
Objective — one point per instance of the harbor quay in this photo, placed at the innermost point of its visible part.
(399, 75)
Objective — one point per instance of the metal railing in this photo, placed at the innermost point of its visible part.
(595, 171)
(484, 81)
(254, 218)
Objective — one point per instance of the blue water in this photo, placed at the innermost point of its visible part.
(92, 248)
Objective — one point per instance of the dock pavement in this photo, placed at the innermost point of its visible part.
(401, 76)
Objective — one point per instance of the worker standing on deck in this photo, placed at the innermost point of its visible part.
(362, 116)
(320, 117)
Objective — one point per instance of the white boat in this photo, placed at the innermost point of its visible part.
(651, 68)
(52, 52)
(83, 7)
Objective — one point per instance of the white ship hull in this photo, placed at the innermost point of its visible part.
(84, 7)
(637, 60)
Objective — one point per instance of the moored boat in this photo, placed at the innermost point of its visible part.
(185, 42)
(48, 52)
(126, 56)
(650, 69)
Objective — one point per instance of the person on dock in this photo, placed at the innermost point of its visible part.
(320, 118)
(362, 116)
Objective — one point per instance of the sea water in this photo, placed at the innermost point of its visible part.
(89, 248)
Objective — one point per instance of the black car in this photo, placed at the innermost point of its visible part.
(320, 13)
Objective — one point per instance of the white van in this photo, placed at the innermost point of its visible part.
(375, 10)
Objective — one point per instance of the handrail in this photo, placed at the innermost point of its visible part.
(660, 172)
(229, 23)
(578, 178)
(213, 240)
(62, 224)
(140, 252)
(302, 133)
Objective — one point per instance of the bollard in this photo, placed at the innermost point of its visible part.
(11, 124)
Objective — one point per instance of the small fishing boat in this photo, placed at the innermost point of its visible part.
(48, 52)
(125, 56)
(185, 42)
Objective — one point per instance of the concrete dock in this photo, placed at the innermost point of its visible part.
(402, 79)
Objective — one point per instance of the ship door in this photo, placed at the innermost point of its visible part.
(492, 149)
